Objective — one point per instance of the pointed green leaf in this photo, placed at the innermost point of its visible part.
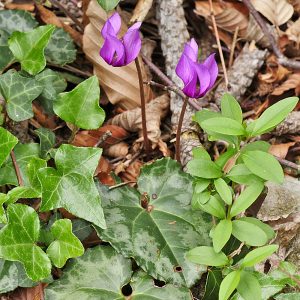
(212, 286)
(21, 192)
(18, 241)
(223, 190)
(66, 244)
(204, 168)
(200, 184)
(207, 256)
(71, 184)
(33, 167)
(83, 101)
(3, 199)
(7, 143)
(6, 57)
(214, 206)
(224, 157)
(242, 175)
(19, 92)
(263, 165)
(47, 140)
(257, 145)
(249, 287)
(28, 48)
(222, 234)
(246, 198)
(231, 109)
(205, 114)
(201, 153)
(265, 227)
(229, 284)
(200, 199)
(108, 5)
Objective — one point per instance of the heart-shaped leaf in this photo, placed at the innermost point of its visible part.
(7, 143)
(71, 184)
(19, 92)
(47, 140)
(28, 48)
(18, 241)
(6, 57)
(83, 101)
(156, 225)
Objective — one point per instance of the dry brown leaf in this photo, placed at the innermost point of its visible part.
(296, 5)
(293, 82)
(277, 12)
(132, 172)
(32, 293)
(121, 85)
(281, 150)
(163, 148)
(293, 32)
(141, 10)
(42, 118)
(103, 172)
(118, 150)
(20, 6)
(131, 120)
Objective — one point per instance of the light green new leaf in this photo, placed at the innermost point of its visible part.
(28, 48)
(257, 255)
(81, 105)
(222, 234)
(229, 284)
(249, 287)
(242, 175)
(156, 225)
(108, 4)
(214, 206)
(21, 192)
(71, 184)
(246, 198)
(3, 199)
(199, 199)
(66, 244)
(19, 92)
(257, 145)
(204, 168)
(223, 190)
(200, 184)
(101, 273)
(7, 143)
(6, 57)
(272, 116)
(18, 241)
(230, 108)
(205, 114)
(47, 140)
(33, 167)
(263, 165)
(207, 256)
(201, 153)
(60, 49)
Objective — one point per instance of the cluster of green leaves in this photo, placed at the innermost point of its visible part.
(227, 187)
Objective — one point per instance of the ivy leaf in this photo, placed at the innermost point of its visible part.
(18, 241)
(60, 49)
(81, 228)
(19, 92)
(155, 225)
(71, 184)
(66, 244)
(101, 273)
(24, 153)
(7, 143)
(47, 140)
(33, 166)
(6, 57)
(21, 192)
(212, 286)
(83, 101)
(28, 48)
(3, 199)
(108, 5)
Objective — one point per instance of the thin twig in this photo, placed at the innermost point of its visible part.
(72, 70)
(143, 107)
(16, 167)
(283, 60)
(174, 89)
(68, 14)
(179, 127)
(235, 36)
(237, 251)
(288, 163)
(218, 43)
(120, 184)
(103, 138)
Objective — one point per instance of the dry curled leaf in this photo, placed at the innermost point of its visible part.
(292, 82)
(117, 150)
(281, 150)
(296, 5)
(121, 85)
(132, 171)
(277, 12)
(293, 32)
(141, 10)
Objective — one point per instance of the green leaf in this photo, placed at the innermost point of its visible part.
(21, 192)
(101, 273)
(71, 184)
(257, 255)
(207, 256)
(214, 206)
(60, 49)
(200, 184)
(16, 20)
(249, 287)
(246, 198)
(231, 109)
(212, 286)
(3, 199)
(200, 199)
(7, 143)
(155, 225)
(19, 92)
(288, 296)
(6, 57)
(204, 114)
(257, 145)
(200, 153)
(224, 157)
(83, 101)
(204, 168)
(66, 244)
(24, 153)
(223, 125)
(18, 241)
(222, 234)
(266, 228)
(108, 4)
(33, 167)
(272, 116)
(28, 48)
(81, 228)
(223, 190)
(242, 175)
(229, 284)
(47, 140)
(249, 233)
(263, 165)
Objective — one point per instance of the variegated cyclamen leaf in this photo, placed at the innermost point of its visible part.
(7, 143)
(18, 241)
(156, 225)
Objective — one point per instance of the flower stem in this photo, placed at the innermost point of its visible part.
(178, 133)
(143, 107)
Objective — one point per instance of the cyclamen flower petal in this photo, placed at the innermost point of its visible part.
(120, 52)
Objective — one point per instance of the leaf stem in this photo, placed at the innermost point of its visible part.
(16, 167)
(143, 107)
(73, 134)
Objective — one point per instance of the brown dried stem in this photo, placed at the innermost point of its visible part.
(16, 167)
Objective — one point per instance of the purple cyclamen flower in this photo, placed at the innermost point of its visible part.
(198, 78)
(120, 52)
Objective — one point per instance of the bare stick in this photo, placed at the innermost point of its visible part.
(283, 60)
(16, 167)
(103, 138)
(179, 127)
(143, 107)
(235, 36)
(288, 163)
(218, 43)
